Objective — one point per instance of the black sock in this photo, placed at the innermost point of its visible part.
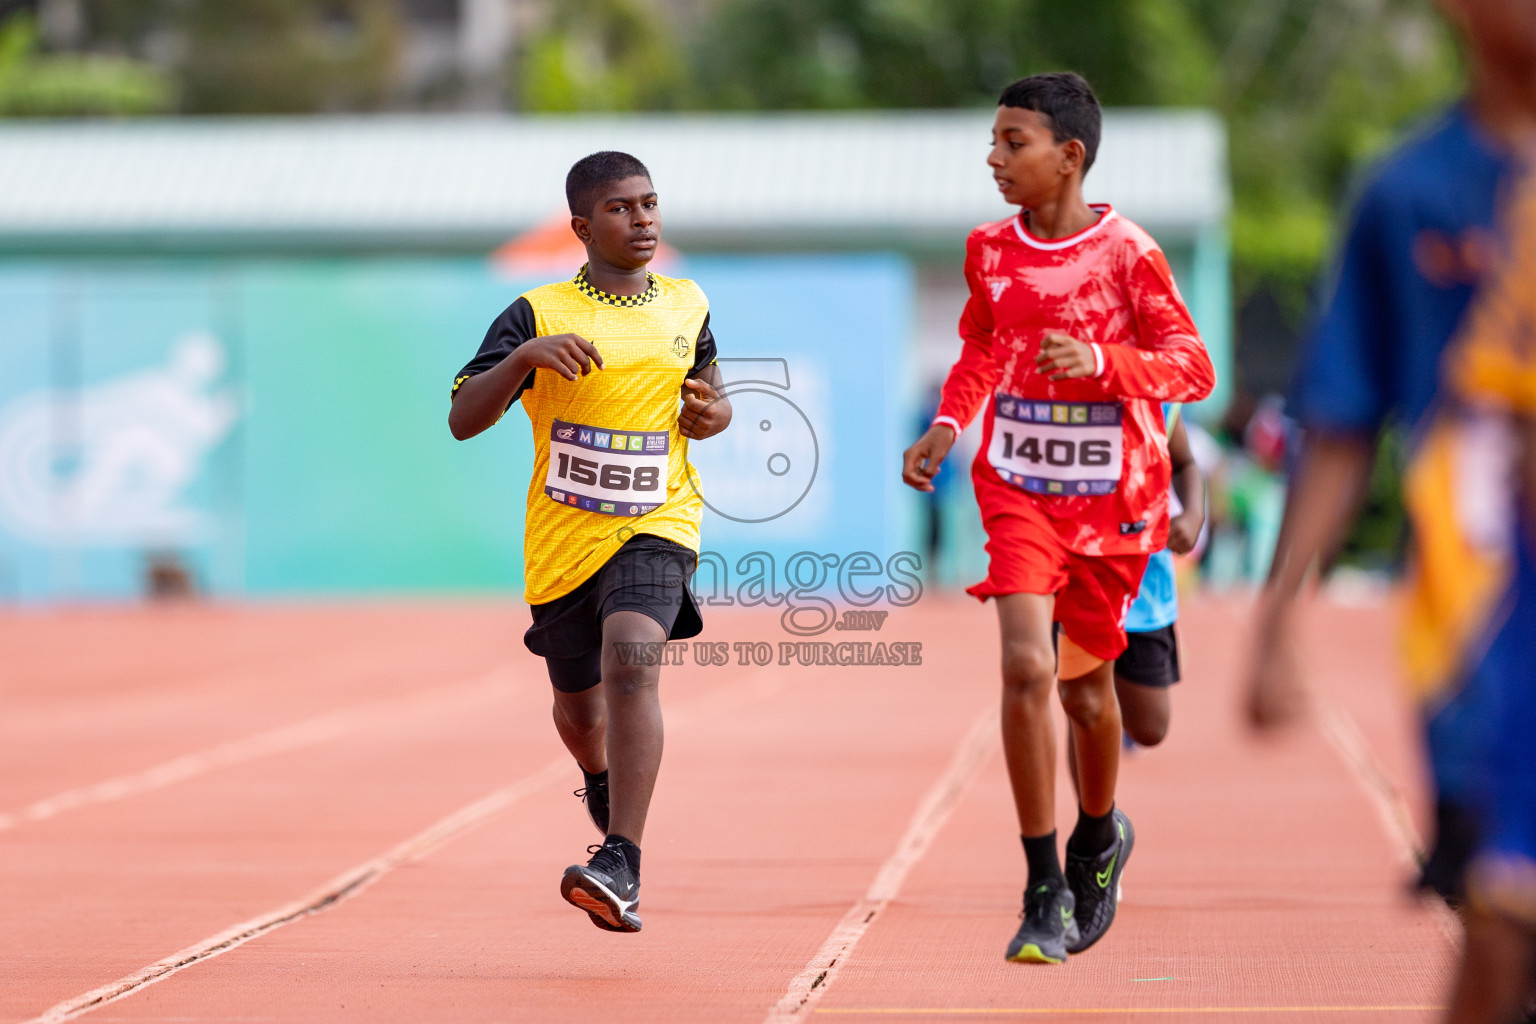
(594, 781)
(1455, 841)
(630, 851)
(1093, 835)
(1040, 853)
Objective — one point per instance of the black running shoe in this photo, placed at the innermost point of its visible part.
(1050, 925)
(595, 795)
(1095, 881)
(605, 888)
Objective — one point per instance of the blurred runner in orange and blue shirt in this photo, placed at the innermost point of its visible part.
(1471, 494)
(1408, 271)
(1422, 240)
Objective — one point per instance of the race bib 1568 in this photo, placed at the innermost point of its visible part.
(611, 472)
(1066, 448)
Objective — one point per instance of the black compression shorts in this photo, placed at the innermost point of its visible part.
(648, 575)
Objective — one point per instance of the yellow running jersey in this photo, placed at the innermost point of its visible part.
(609, 460)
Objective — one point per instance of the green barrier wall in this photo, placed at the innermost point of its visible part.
(280, 427)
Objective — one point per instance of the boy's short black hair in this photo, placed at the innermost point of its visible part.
(1066, 100)
(591, 173)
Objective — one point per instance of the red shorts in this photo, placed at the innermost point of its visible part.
(1093, 594)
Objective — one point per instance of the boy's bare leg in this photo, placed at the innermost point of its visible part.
(1144, 715)
(1144, 711)
(634, 721)
(1029, 735)
(581, 719)
(1102, 839)
(1093, 715)
(1495, 975)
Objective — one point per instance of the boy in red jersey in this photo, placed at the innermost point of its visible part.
(1074, 334)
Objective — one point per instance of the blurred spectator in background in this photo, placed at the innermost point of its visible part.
(1247, 489)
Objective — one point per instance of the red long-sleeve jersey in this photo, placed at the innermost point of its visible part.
(1092, 452)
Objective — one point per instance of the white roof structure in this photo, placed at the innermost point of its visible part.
(752, 181)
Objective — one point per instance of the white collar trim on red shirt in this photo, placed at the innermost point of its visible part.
(1106, 214)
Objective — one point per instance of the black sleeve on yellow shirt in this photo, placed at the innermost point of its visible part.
(703, 349)
(515, 325)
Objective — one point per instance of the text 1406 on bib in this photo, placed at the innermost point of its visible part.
(1065, 448)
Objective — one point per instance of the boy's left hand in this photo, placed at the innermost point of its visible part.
(705, 413)
(1184, 531)
(1063, 357)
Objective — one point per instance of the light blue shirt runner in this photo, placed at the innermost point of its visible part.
(1157, 603)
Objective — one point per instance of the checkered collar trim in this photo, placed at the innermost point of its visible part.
(590, 292)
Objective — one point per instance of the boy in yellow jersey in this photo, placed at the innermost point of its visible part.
(601, 364)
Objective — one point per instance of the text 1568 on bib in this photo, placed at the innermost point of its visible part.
(607, 471)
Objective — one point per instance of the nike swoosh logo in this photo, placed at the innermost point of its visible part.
(1066, 916)
(1103, 876)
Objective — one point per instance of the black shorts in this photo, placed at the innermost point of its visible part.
(648, 575)
(1150, 659)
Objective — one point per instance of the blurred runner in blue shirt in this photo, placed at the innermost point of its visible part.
(1410, 264)
(1422, 239)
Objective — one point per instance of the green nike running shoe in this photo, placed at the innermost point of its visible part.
(1049, 928)
(1095, 882)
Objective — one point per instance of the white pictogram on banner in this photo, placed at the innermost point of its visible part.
(110, 465)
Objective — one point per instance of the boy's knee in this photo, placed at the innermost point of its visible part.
(1144, 711)
(1028, 668)
(1147, 731)
(581, 716)
(1086, 700)
(630, 681)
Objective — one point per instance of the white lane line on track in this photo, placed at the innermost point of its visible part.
(1384, 795)
(806, 988)
(340, 888)
(456, 696)
(754, 686)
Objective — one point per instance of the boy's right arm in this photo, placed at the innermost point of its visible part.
(481, 399)
(969, 384)
(920, 463)
(503, 368)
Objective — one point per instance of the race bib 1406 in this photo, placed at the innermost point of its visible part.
(611, 472)
(1066, 448)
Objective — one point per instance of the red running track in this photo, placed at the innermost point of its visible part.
(362, 812)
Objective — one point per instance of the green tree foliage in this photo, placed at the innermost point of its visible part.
(288, 56)
(1311, 91)
(48, 85)
(260, 56)
(1308, 87)
(602, 55)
